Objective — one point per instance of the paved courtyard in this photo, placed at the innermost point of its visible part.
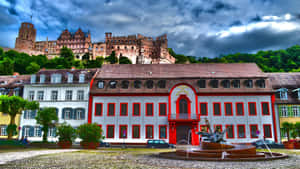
(128, 158)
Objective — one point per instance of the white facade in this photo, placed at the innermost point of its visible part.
(77, 103)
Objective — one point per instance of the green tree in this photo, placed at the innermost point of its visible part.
(66, 132)
(6, 67)
(13, 105)
(90, 133)
(32, 68)
(287, 127)
(124, 60)
(47, 118)
(112, 58)
(68, 56)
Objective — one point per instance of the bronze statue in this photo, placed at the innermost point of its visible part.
(213, 137)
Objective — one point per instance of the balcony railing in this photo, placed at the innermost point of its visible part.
(184, 116)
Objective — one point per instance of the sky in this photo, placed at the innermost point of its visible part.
(201, 28)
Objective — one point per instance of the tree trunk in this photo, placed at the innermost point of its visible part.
(12, 121)
(45, 134)
(288, 134)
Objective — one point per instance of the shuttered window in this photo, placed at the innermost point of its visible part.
(203, 109)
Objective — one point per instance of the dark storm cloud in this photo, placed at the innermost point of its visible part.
(194, 27)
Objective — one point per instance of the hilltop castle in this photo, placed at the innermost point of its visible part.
(138, 48)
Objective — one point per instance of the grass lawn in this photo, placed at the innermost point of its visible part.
(285, 151)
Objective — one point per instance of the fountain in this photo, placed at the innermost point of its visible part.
(215, 148)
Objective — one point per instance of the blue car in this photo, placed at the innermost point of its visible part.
(159, 144)
(104, 144)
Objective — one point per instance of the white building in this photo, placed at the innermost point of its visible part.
(134, 103)
(65, 90)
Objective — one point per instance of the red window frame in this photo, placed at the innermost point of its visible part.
(269, 130)
(262, 112)
(226, 126)
(100, 125)
(108, 109)
(237, 128)
(166, 131)
(136, 125)
(249, 109)
(96, 109)
(110, 125)
(251, 130)
(226, 110)
(126, 109)
(236, 109)
(120, 134)
(149, 125)
(206, 108)
(159, 104)
(139, 109)
(147, 109)
(204, 125)
(216, 125)
(219, 108)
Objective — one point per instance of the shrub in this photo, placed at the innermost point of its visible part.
(91, 133)
(66, 132)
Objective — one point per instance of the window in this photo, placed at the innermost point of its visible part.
(123, 109)
(217, 109)
(137, 84)
(136, 131)
(123, 131)
(203, 109)
(201, 83)
(26, 131)
(261, 83)
(149, 132)
(55, 78)
(214, 83)
(3, 131)
(204, 128)
(16, 91)
(236, 83)
(54, 95)
(149, 109)
(42, 78)
(67, 113)
(162, 109)
(40, 95)
(110, 131)
(253, 130)
(113, 84)
(29, 114)
(228, 109)
(149, 84)
(79, 114)
(265, 108)
(241, 131)
(52, 132)
(37, 132)
(162, 84)
(111, 109)
(70, 78)
(31, 95)
(267, 131)
(69, 94)
(239, 108)
(226, 83)
(80, 95)
(81, 78)
(136, 109)
(252, 108)
(98, 109)
(101, 84)
(218, 127)
(33, 79)
(283, 93)
(125, 84)
(162, 131)
(230, 131)
(249, 83)
(283, 111)
(296, 111)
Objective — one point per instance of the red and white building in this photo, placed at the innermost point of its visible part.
(134, 103)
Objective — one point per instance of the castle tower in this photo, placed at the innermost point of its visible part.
(26, 37)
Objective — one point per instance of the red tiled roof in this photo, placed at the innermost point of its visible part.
(209, 70)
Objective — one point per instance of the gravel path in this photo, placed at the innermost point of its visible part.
(12, 156)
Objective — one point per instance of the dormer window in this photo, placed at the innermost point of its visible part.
(70, 78)
(149, 84)
(201, 83)
(226, 83)
(101, 84)
(298, 92)
(249, 83)
(162, 84)
(214, 83)
(56, 78)
(81, 78)
(3, 82)
(33, 79)
(261, 83)
(113, 84)
(283, 93)
(137, 84)
(42, 78)
(236, 83)
(125, 84)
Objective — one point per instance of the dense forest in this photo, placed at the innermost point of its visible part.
(269, 61)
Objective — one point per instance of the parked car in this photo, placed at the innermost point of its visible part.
(271, 144)
(104, 144)
(159, 144)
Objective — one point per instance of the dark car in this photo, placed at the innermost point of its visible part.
(104, 144)
(159, 144)
(269, 143)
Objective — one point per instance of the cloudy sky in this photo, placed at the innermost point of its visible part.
(194, 27)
